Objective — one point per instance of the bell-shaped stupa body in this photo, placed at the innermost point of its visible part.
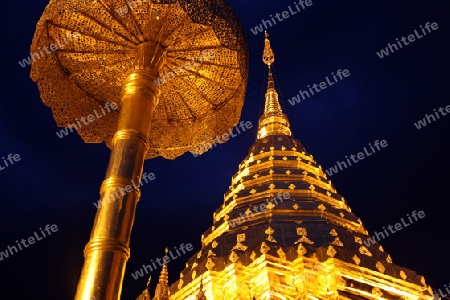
(283, 231)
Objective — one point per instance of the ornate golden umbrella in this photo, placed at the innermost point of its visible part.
(177, 71)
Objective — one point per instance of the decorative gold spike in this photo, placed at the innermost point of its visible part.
(356, 259)
(210, 264)
(214, 244)
(301, 231)
(365, 251)
(376, 291)
(233, 257)
(389, 259)
(273, 121)
(331, 252)
(380, 267)
(264, 248)
(281, 253)
(403, 275)
(301, 250)
(162, 288)
(337, 242)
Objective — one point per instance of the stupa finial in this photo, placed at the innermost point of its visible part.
(162, 288)
(273, 121)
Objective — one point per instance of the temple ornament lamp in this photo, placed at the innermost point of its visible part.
(177, 71)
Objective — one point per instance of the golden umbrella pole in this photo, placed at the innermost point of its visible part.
(150, 58)
(108, 249)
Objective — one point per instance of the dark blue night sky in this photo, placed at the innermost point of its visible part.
(56, 181)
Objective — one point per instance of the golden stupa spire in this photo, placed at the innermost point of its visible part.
(162, 288)
(273, 121)
(145, 295)
(201, 295)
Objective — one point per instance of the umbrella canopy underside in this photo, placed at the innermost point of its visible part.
(82, 52)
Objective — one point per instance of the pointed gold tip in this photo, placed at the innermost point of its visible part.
(268, 56)
(166, 250)
(148, 281)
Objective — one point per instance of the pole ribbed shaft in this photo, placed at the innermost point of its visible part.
(108, 249)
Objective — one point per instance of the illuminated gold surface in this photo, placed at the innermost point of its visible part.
(111, 51)
(162, 288)
(145, 295)
(199, 49)
(108, 250)
(309, 246)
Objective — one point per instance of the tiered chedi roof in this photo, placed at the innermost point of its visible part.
(283, 231)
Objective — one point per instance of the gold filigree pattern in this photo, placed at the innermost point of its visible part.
(200, 96)
(234, 257)
(338, 242)
(240, 237)
(210, 264)
(403, 275)
(264, 248)
(331, 252)
(376, 291)
(365, 251)
(214, 244)
(281, 253)
(269, 231)
(301, 231)
(389, 259)
(301, 250)
(380, 267)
